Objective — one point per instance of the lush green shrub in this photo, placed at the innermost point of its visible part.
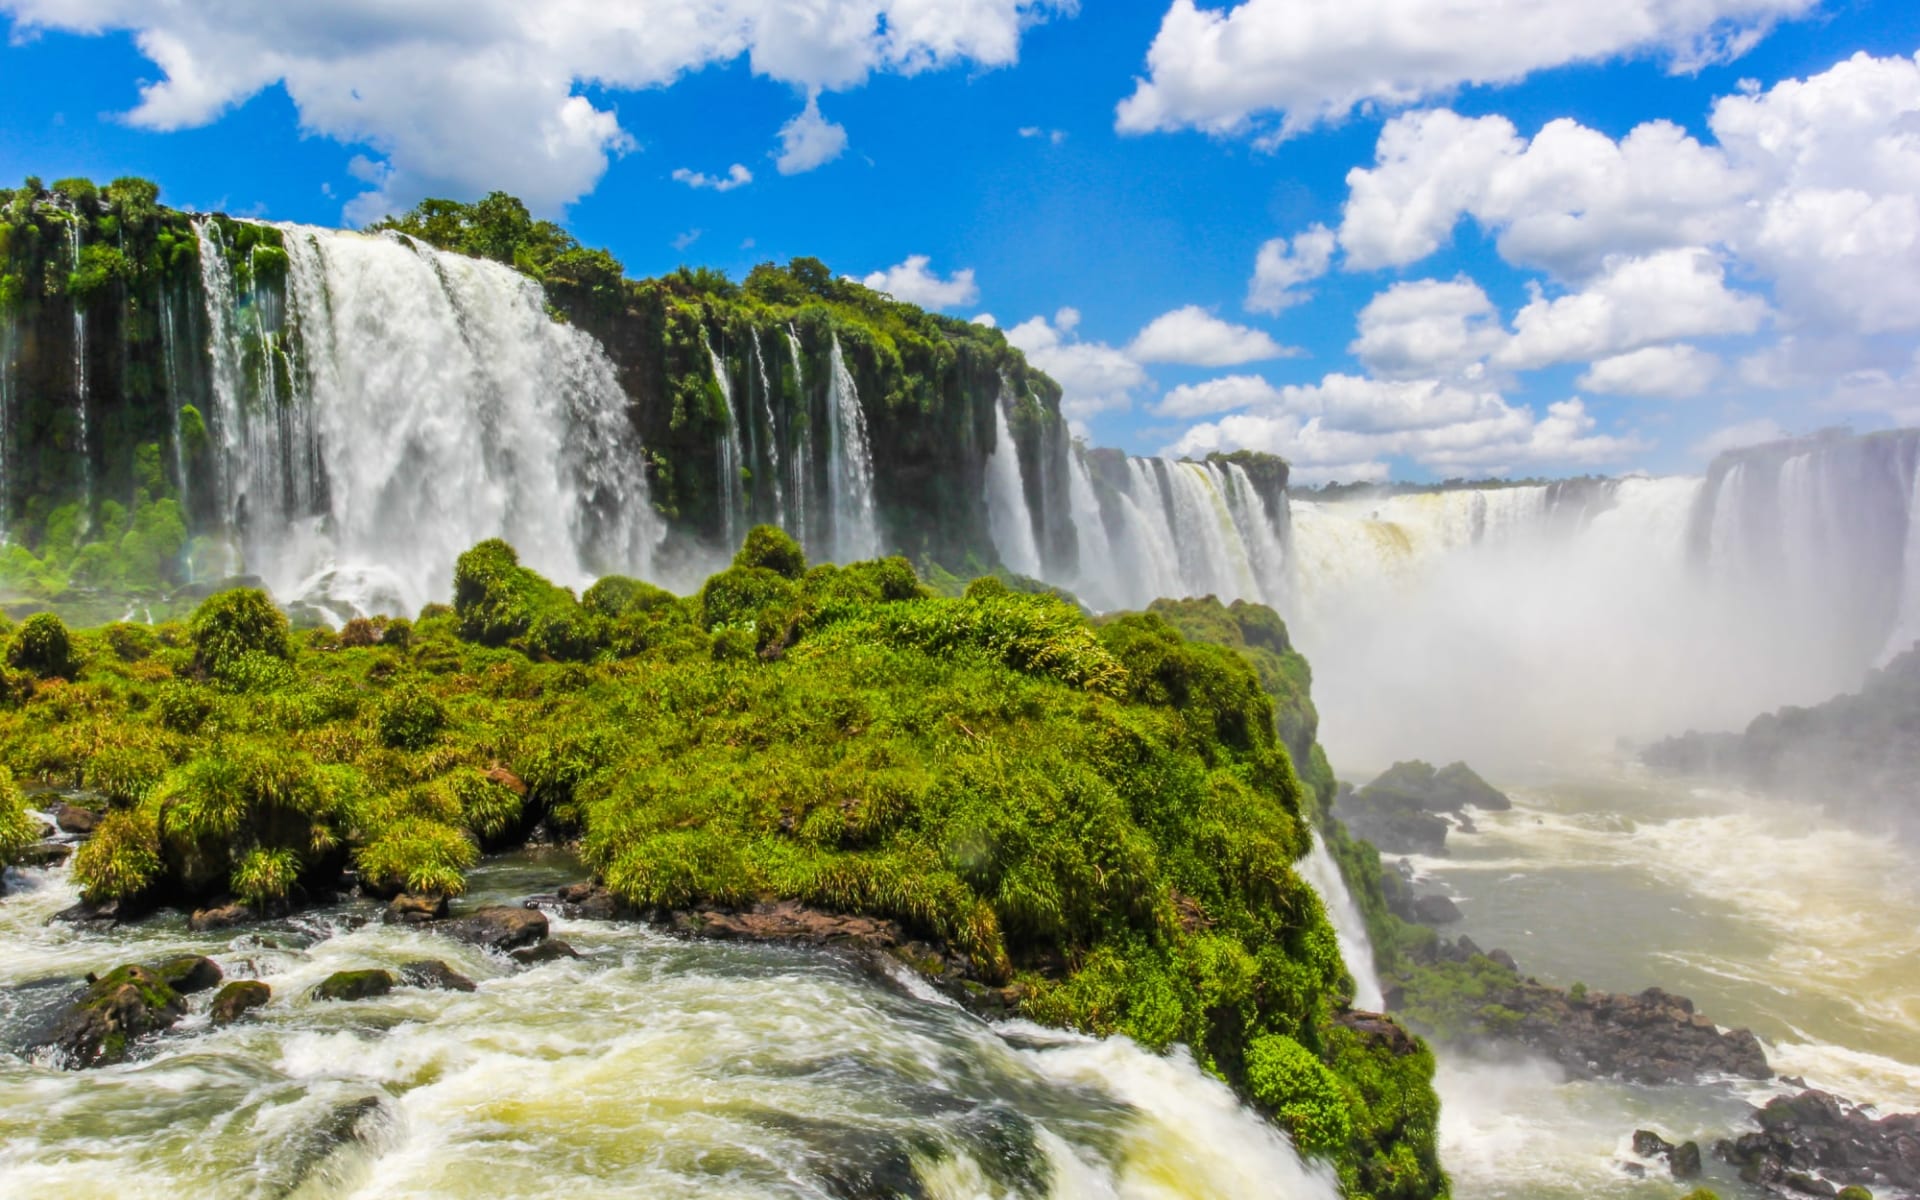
(132, 643)
(619, 596)
(409, 717)
(18, 828)
(418, 855)
(771, 548)
(752, 597)
(42, 646)
(1291, 1082)
(122, 858)
(228, 625)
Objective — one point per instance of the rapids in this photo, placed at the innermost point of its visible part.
(650, 1067)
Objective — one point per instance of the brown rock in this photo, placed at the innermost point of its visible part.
(222, 914)
(189, 973)
(73, 819)
(413, 909)
(498, 927)
(434, 975)
(102, 1023)
(237, 998)
(543, 952)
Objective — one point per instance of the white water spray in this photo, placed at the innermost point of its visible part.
(1007, 512)
(856, 535)
(1349, 928)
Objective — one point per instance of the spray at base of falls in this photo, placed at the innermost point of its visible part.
(649, 1067)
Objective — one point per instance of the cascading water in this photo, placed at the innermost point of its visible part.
(1349, 928)
(773, 435)
(7, 411)
(1090, 528)
(856, 535)
(430, 403)
(81, 398)
(731, 456)
(1007, 512)
(802, 463)
(1213, 555)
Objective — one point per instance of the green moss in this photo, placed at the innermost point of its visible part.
(1306, 1098)
(230, 625)
(42, 646)
(409, 717)
(770, 547)
(18, 828)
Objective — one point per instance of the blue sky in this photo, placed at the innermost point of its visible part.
(1488, 301)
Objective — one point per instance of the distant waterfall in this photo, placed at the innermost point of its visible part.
(856, 535)
(1007, 511)
(773, 432)
(401, 404)
(730, 457)
(80, 392)
(1349, 928)
(801, 480)
(7, 409)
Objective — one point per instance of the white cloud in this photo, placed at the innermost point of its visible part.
(1664, 372)
(1736, 437)
(461, 97)
(1280, 268)
(1053, 136)
(1093, 376)
(809, 140)
(1195, 337)
(1637, 302)
(1282, 66)
(1217, 396)
(912, 283)
(1428, 327)
(986, 319)
(737, 176)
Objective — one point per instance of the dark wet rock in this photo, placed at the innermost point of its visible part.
(1450, 789)
(1648, 1144)
(71, 818)
(189, 973)
(434, 975)
(100, 1025)
(551, 950)
(101, 914)
(1376, 1029)
(45, 854)
(497, 927)
(1436, 910)
(1685, 1161)
(1393, 824)
(1504, 959)
(224, 913)
(413, 909)
(354, 985)
(355, 1121)
(788, 921)
(237, 998)
(1814, 1140)
(592, 902)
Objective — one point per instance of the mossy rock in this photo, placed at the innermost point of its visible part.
(237, 998)
(101, 1025)
(189, 973)
(355, 985)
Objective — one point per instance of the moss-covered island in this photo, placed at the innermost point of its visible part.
(1094, 822)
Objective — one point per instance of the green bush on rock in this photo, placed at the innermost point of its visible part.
(1291, 1082)
(42, 646)
(229, 625)
(18, 829)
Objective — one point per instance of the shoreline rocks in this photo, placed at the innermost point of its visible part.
(1814, 1143)
(355, 985)
(497, 927)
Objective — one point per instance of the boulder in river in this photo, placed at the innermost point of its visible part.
(1393, 824)
(102, 1022)
(1449, 789)
(237, 998)
(189, 973)
(434, 975)
(412, 909)
(1436, 910)
(101, 914)
(1811, 1141)
(498, 927)
(1683, 1161)
(551, 950)
(71, 818)
(224, 913)
(45, 854)
(354, 985)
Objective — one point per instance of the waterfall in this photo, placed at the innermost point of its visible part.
(850, 483)
(803, 448)
(1007, 512)
(1906, 625)
(7, 411)
(1094, 576)
(733, 499)
(1349, 929)
(406, 405)
(1261, 530)
(773, 437)
(80, 388)
(170, 350)
(1213, 555)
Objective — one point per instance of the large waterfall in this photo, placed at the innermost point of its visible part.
(399, 405)
(1007, 509)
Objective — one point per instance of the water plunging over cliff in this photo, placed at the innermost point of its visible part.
(732, 458)
(1356, 950)
(850, 481)
(1007, 510)
(405, 405)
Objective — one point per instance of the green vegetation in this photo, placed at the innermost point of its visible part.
(1095, 822)
(18, 829)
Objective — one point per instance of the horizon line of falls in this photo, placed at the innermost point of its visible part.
(1510, 624)
(398, 404)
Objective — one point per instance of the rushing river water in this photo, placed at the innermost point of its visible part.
(649, 1067)
(1762, 913)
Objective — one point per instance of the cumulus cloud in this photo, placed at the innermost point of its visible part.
(461, 97)
(1217, 396)
(737, 176)
(1637, 302)
(913, 283)
(1094, 377)
(1677, 372)
(1195, 337)
(1281, 267)
(1428, 327)
(1739, 436)
(1052, 136)
(808, 141)
(1277, 67)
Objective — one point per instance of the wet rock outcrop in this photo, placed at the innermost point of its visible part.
(238, 998)
(101, 1024)
(1814, 1143)
(497, 927)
